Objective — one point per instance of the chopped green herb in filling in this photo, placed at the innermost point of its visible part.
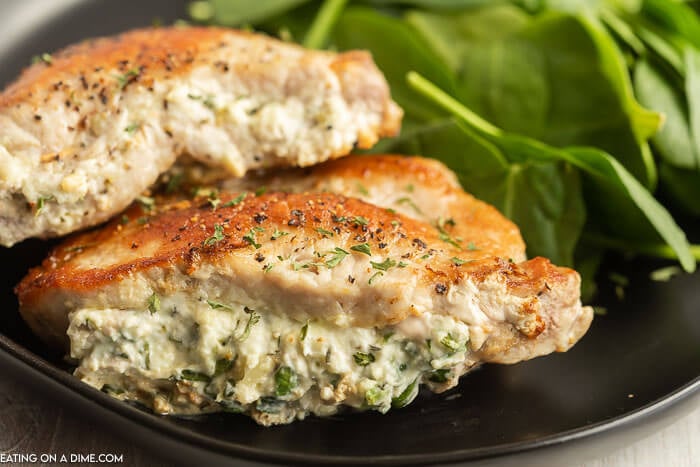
(191, 359)
(154, 303)
(285, 381)
(363, 359)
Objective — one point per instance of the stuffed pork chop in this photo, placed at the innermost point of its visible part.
(418, 187)
(282, 305)
(84, 131)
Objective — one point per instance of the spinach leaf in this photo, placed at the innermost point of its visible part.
(691, 57)
(438, 4)
(605, 172)
(543, 197)
(682, 186)
(396, 50)
(554, 77)
(673, 141)
(674, 18)
(239, 12)
(317, 35)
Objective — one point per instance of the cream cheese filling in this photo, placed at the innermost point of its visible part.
(187, 355)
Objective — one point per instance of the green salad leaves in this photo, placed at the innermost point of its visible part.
(568, 115)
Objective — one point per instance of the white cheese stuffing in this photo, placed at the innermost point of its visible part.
(196, 356)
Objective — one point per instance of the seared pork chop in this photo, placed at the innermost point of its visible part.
(417, 187)
(281, 305)
(86, 130)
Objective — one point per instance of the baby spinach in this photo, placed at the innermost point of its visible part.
(534, 76)
(239, 12)
(603, 170)
(396, 49)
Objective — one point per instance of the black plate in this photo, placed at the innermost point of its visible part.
(639, 359)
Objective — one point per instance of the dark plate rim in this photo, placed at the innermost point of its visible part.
(36, 364)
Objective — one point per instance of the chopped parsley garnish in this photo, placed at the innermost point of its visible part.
(219, 306)
(441, 222)
(445, 237)
(384, 265)
(324, 232)
(458, 261)
(285, 381)
(41, 202)
(439, 376)
(124, 220)
(410, 187)
(126, 78)
(406, 396)
(451, 344)
(395, 223)
(268, 267)
(359, 220)
(191, 375)
(143, 220)
(277, 234)
(409, 202)
(154, 303)
(362, 248)
(374, 276)
(363, 359)
(362, 189)
(402, 264)
(471, 246)
(214, 200)
(339, 219)
(43, 58)
(250, 236)
(304, 331)
(131, 129)
(261, 191)
(235, 200)
(216, 238)
(252, 321)
(338, 255)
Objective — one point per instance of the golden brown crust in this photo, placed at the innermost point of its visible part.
(419, 187)
(179, 235)
(149, 55)
(475, 222)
